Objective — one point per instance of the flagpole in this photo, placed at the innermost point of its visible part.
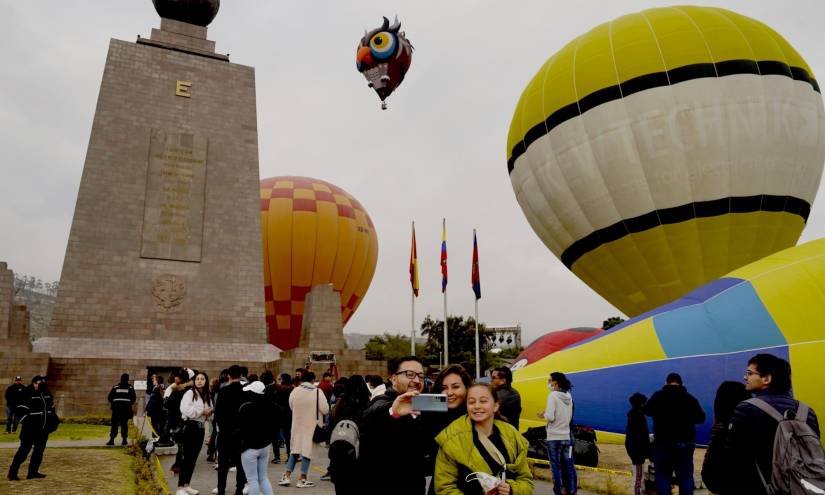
(446, 352)
(412, 325)
(412, 312)
(478, 358)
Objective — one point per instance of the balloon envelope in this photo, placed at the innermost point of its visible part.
(552, 342)
(313, 233)
(665, 148)
(775, 305)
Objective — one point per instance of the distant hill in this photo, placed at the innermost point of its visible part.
(40, 308)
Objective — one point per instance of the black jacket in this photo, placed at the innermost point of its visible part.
(389, 445)
(675, 415)
(637, 437)
(750, 437)
(509, 404)
(257, 420)
(15, 393)
(715, 473)
(227, 404)
(37, 412)
(121, 398)
(154, 406)
(434, 423)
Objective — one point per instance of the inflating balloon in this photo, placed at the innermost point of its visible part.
(665, 148)
(552, 342)
(313, 233)
(774, 305)
(384, 55)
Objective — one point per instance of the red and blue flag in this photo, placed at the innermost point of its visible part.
(444, 257)
(476, 277)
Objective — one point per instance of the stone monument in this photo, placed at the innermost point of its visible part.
(16, 356)
(163, 266)
(322, 332)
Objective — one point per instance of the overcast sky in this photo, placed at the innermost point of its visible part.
(439, 151)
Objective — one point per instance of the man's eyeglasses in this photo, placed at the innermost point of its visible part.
(748, 373)
(410, 374)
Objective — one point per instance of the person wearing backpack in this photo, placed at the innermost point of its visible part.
(750, 445)
(344, 437)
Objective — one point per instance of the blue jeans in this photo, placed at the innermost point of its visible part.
(293, 459)
(254, 462)
(670, 457)
(11, 418)
(560, 453)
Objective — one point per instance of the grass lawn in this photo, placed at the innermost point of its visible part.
(67, 432)
(73, 471)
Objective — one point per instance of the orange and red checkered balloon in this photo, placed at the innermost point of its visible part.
(313, 233)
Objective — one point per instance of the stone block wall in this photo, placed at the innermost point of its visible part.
(81, 387)
(106, 287)
(6, 298)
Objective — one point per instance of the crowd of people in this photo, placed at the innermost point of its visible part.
(379, 442)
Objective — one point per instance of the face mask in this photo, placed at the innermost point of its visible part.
(488, 481)
(41, 386)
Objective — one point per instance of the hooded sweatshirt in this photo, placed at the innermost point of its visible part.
(558, 413)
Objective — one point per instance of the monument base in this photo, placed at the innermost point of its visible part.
(83, 370)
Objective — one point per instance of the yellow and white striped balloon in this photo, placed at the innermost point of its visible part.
(666, 148)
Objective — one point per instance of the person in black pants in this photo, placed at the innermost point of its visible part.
(121, 399)
(39, 419)
(195, 409)
(154, 406)
(226, 417)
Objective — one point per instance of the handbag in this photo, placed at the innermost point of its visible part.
(320, 435)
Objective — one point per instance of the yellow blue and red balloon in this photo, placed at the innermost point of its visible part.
(665, 148)
(313, 233)
(774, 305)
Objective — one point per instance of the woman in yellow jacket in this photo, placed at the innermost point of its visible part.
(479, 454)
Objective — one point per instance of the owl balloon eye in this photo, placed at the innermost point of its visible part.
(382, 45)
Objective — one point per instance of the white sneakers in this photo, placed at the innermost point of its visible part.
(304, 484)
(190, 491)
(284, 481)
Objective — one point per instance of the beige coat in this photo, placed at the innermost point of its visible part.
(302, 402)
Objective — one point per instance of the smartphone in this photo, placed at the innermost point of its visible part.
(429, 402)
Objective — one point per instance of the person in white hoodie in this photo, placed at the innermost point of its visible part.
(559, 414)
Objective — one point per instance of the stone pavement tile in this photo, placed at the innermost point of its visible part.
(205, 477)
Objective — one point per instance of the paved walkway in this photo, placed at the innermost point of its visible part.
(206, 478)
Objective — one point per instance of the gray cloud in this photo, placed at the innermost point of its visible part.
(439, 151)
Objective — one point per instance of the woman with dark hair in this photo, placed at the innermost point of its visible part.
(481, 454)
(714, 474)
(453, 381)
(353, 400)
(195, 409)
(559, 414)
(637, 439)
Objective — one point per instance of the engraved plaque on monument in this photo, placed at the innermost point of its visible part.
(175, 191)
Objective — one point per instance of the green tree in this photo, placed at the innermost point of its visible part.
(461, 341)
(390, 346)
(612, 322)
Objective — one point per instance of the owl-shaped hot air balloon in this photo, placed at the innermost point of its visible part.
(313, 233)
(665, 148)
(384, 56)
